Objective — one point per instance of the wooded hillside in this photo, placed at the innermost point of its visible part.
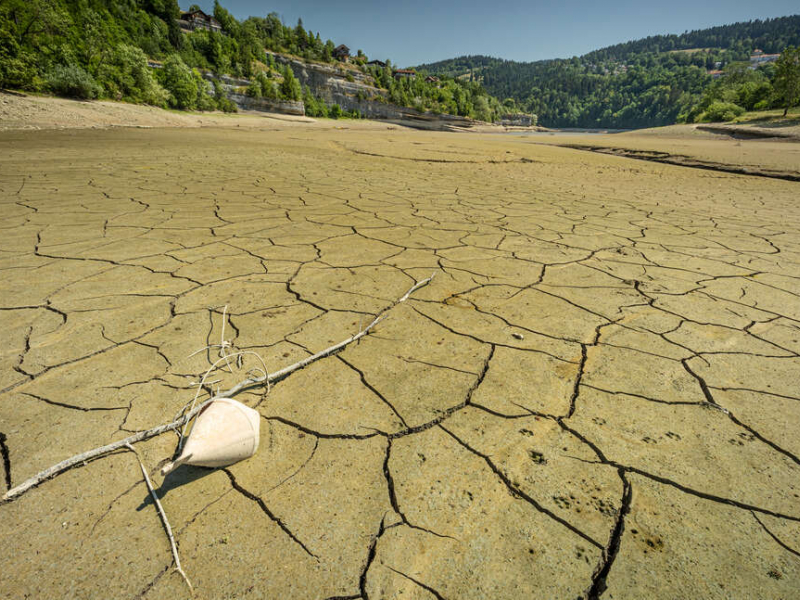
(653, 81)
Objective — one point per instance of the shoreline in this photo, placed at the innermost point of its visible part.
(32, 112)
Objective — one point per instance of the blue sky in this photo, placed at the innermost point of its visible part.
(419, 31)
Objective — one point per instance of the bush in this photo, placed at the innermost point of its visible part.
(127, 76)
(18, 71)
(227, 105)
(204, 100)
(73, 82)
(335, 111)
(269, 91)
(180, 83)
(223, 102)
(254, 89)
(722, 111)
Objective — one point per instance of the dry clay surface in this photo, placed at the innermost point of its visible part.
(690, 145)
(597, 395)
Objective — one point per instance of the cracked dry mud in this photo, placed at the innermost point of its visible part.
(596, 396)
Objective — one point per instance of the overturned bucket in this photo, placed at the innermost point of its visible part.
(225, 432)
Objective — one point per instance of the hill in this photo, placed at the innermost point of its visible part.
(653, 81)
(149, 51)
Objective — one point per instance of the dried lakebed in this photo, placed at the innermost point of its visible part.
(597, 395)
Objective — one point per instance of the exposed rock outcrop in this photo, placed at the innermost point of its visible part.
(354, 90)
(350, 88)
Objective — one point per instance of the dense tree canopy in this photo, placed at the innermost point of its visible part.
(653, 81)
(106, 48)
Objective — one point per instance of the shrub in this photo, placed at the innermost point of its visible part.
(127, 76)
(722, 111)
(73, 82)
(223, 102)
(265, 87)
(180, 83)
(254, 89)
(18, 71)
(335, 111)
(269, 91)
(311, 104)
(205, 99)
(227, 105)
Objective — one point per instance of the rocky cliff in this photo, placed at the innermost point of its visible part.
(233, 85)
(349, 88)
(353, 90)
(336, 84)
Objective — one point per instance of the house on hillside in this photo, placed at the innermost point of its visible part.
(431, 79)
(758, 57)
(341, 52)
(404, 73)
(377, 63)
(715, 74)
(197, 19)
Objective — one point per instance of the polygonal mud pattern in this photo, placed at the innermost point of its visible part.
(596, 396)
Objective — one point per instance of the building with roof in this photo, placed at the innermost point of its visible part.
(758, 57)
(197, 19)
(341, 52)
(404, 73)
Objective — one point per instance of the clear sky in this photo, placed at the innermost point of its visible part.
(420, 31)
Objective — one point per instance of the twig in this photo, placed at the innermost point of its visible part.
(107, 449)
(180, 422)
(164, 520)
(222, 343)
(413, 289)
(209, 371)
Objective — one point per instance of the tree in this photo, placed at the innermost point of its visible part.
(290, 87)
(180, 82)
(126, 75)
(787, 78)
(225, 18)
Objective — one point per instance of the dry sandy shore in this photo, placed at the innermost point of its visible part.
(596, 396)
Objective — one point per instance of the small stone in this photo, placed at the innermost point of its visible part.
(517, 336)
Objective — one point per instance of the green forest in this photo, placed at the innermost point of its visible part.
(654, 81)
(107, 49)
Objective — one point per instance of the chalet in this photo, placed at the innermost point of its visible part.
(197, 19)
(341, 52)
(377, 63)
(758, 57)
(431, 79)
(404, 73)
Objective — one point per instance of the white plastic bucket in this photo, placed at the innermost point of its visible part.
(225, 432)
